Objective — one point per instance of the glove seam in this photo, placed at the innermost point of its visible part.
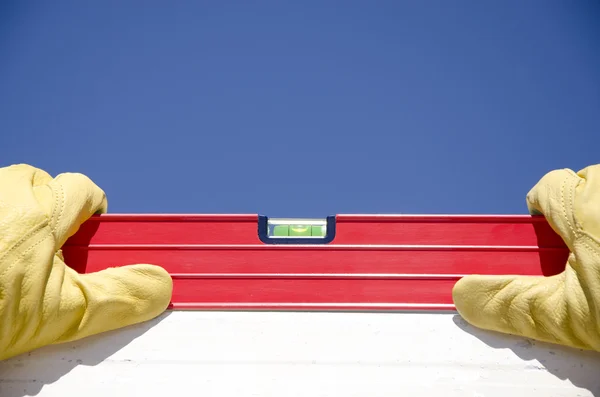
(59, 203)
(570, 215)
(24, 253)
(36, 229)
(582, 237)
(584, 240)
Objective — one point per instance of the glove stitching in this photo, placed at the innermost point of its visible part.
(59, 203)
(25, 238)
(594, 250)
(54, 207)
(581, 236)
(585, 240)
(62, 204)
(21, 241)
(569, 206)
(24, 253)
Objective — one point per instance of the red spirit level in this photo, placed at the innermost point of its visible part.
(343, 262)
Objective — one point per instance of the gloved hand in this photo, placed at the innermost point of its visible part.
(565, 308)
(43, 301)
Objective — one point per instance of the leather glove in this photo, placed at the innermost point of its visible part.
(562, 309)
(43, 301)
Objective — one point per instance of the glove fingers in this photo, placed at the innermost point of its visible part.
(111, 299)
(21, 178)
(75, 199)
(587, 212)
(69, 306)
(553, 197)
(67, 200)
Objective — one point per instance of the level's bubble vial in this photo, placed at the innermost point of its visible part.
(296, 231)
(297, 228)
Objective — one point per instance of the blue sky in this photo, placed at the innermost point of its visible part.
(302, 108)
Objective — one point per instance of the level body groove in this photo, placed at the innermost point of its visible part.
(374, 262)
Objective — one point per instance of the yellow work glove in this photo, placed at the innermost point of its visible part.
(562, 309)
(42, 301)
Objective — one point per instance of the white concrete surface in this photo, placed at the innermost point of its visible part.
(241, 354)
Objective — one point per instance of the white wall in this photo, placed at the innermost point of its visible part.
(302, 354)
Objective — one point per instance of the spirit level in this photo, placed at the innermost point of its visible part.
(343, 262)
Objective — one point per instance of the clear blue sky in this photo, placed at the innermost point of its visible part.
(304, 108)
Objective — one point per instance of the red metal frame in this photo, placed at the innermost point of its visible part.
(376, 262)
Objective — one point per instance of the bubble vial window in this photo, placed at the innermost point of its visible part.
(297, 228)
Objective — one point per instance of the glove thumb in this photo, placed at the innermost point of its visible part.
(502, 303)
(550, 309)
(81, 305)
(111, 299)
